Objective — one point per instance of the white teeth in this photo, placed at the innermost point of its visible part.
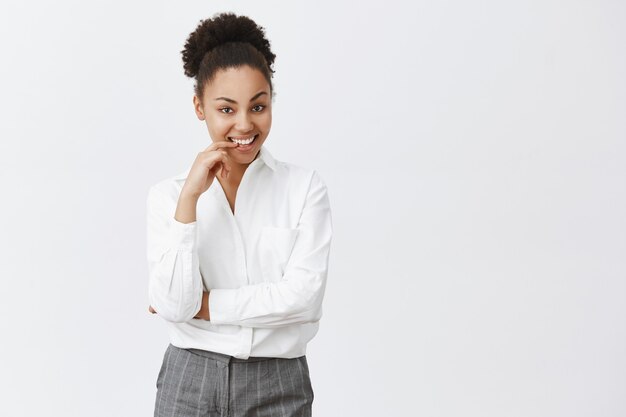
(243, 141)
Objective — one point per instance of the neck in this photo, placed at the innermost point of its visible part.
(236, 173)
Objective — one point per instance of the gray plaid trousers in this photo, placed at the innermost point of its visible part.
(200, 383)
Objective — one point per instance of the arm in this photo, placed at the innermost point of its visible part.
(297, 298)
(175, 285)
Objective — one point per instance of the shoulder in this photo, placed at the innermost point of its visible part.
(305, 191)
(168, 188)
(299, 175)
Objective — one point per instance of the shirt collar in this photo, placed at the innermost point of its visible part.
(267, 158)
(264, 156)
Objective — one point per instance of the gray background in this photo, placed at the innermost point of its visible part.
(475, 156)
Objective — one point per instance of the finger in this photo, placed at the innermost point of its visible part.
(215, 162)
(225, 169)
(218, 161)
(220, 144)
(225, 160)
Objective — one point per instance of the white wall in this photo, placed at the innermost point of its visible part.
(475, 155)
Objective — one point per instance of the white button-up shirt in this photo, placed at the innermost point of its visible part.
(265, 265)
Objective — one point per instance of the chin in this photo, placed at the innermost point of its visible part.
(244, 158)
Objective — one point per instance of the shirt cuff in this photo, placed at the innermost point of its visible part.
(183, 234)
(221, 302)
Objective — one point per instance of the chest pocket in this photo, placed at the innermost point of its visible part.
(275, 246)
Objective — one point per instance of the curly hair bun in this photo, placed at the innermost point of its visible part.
(220, 29)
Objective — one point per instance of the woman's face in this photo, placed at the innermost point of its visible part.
(237, 105)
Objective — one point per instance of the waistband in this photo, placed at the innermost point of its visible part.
(225, 358)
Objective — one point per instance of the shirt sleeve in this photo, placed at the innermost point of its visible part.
(297, 297)
(175, 284)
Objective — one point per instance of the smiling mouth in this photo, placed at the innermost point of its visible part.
(244, 141)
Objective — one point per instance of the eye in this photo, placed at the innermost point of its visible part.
(226, 108)
(258, 105)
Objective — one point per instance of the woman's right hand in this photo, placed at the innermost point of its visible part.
(206, 166)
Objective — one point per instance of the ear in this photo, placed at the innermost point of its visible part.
(197, 105)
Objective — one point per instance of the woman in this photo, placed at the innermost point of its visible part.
(237, 246)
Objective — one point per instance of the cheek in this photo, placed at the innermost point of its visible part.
(218, 126)
(266, 121)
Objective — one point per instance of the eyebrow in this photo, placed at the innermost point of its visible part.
(230, 100)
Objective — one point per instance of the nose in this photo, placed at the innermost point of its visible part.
(244, 124)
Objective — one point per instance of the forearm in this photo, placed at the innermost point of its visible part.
(186, 213)
(175, 283)
(186, 207)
